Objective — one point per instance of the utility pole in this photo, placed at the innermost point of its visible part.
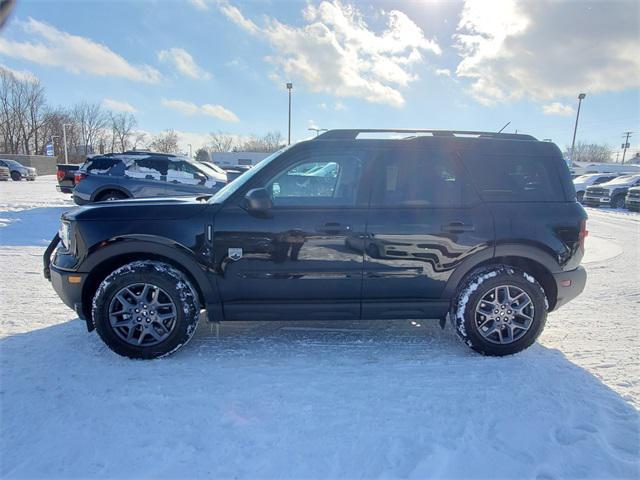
(190, 154)
(64, 135)
(575, 128)
(625, 145)
(289, 87)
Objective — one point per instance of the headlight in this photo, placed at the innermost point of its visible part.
(63, 233)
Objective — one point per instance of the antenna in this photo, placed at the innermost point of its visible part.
(505, 126)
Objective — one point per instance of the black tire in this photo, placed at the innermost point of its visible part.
(174, 285)
(16, 176)
(617, 201)
(579, 196)
(111, 196)
(474, 290)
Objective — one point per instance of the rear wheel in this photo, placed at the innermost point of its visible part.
(500, 310)
(16, 176)
(145, 310)
(111, 196)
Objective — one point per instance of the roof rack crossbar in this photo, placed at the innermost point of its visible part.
(352, 134)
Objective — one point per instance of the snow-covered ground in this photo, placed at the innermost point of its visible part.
(316, 399)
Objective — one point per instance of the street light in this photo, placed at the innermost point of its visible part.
(64, 136)
(317, 130)
(575, 128)
(289, 87)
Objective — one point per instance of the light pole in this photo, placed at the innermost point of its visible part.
(64, 136)
(289, 87)
(317, 130)
(575, 128)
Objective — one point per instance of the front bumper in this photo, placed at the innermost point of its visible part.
(67, 284)
(633, 203)
(569, 285)
(596, 201)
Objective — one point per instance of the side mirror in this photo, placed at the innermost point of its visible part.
(258, 201)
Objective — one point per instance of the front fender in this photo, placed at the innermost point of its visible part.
(150, 246)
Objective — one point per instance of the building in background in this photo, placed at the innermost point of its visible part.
(233, 159)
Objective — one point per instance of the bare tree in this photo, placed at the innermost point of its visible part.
(590, 152)
(123, 125)
(202, 155)
(90, 120)
(270, 142)
(139, 140)
(221, 142)
(165, 142)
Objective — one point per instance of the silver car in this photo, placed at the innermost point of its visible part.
(142, 175)
(19, 171)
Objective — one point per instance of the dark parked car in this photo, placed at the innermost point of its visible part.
(610, 194)
(142, 175)
(65, 174)
(482, 228)
(19, 171)
(632, 199)
(5, 174)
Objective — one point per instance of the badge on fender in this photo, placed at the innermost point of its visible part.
(235, 253)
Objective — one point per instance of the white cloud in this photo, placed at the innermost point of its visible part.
(190, 108)
(336, 52)
(23, 75)
(220, 112)
(199, 4)
(187, 108)
(183, 62)
(513, 49)
(76, 54)
(557, 108)
(118, 106)
(444, 72)
(339, 106)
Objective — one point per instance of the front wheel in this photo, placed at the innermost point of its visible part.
(16, 176)
(145, 309)
(617, 201)
(500, 310)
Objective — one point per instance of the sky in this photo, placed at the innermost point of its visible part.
(198, 66)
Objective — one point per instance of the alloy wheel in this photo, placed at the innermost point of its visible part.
(142, 314)
(504, 314)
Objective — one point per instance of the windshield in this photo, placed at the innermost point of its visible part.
(212, 172)
(12, 163)
(229, 189)
(623, 180)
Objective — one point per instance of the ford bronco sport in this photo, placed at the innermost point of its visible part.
(481, 228)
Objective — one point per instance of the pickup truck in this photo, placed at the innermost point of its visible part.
(66, 177)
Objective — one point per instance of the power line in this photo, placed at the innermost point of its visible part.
(625, 145)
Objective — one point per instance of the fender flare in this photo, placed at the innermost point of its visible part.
(534, 253)
(153, 246)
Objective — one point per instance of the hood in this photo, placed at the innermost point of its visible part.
(139, 209)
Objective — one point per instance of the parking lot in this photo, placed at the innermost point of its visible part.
(317, 399)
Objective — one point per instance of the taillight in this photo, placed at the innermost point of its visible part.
(583, 233)
(78, 177)
(60, 175)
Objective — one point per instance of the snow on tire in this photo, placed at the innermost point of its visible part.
(500, 310)
(145, 309)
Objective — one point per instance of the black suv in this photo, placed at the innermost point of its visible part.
(482, 228)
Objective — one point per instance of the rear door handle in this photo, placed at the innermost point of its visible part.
(333, 228)
(458, 227)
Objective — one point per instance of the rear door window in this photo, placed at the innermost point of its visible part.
(102, 165)
(151, 168)
(417, 178)
(515, 178)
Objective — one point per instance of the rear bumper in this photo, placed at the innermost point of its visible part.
(78, 200)
(64, 188)
(569, 285)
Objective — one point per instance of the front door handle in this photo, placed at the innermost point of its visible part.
(458, 227)
(333, 228)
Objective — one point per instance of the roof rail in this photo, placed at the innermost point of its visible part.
(352, 134)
